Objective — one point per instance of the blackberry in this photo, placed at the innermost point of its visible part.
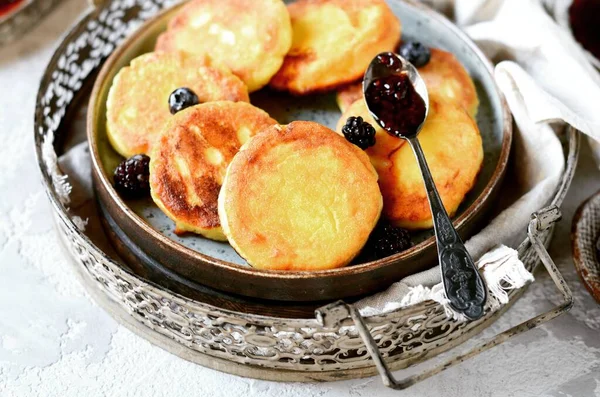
(415, 53)
(182, 98)
(132, 176)
(387, 240)
(359, 132)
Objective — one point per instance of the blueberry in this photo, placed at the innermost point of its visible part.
(182, 98)
(132, 176)
(415, 53)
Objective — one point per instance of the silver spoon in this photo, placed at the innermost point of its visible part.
(463, 285)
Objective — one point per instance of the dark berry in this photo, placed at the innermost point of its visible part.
(388, 240)
(359, 132)
(415, 53)
(182, 98)
(132, 176)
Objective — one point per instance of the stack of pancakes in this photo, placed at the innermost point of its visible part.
(300, 196)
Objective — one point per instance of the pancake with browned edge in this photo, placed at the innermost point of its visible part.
(299, 197)
(444, 76)
(453, 148)
(250, 37)
(138, 101)
(189, 160)
(333, 43)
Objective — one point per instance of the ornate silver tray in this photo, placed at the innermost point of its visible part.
(337, 344)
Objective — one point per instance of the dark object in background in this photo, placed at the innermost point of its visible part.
(7, 6)
(4, 3)
(584, 18)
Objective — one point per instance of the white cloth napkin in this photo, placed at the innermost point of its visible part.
(501, 269)
(548, 81)
(554, 74)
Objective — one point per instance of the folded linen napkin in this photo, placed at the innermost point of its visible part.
(501, 268)
(561, 82)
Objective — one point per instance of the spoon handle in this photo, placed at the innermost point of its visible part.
(462, 282)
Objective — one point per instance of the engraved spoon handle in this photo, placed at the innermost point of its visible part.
(462, 282)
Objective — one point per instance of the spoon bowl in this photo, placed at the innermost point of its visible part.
(391, 82)
(389, 64)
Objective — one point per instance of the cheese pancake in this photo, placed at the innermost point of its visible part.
(444, 76)
(299, 197)
(333, 43)
(447, 78)
(250, 37)
(138, 101)
(188, 163)
(453, 148)
(348, 94)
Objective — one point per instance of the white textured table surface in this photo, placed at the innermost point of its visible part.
(54, 341)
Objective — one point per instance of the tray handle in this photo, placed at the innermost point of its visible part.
(540, 221)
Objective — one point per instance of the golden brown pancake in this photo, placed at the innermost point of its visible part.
(453, 149)
(333, 42)
(250, 37)
(189, 160)
(447, 78)
(299, 197)
(444, 76)
(138, 101)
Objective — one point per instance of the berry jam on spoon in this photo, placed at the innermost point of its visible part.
(397, 99)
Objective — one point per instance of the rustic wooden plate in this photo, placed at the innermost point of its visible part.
(585, 233)
(216, 265)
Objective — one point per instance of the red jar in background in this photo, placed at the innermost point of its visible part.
(584, 18)
(6, 6)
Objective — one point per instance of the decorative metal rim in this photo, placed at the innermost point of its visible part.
(188, 323)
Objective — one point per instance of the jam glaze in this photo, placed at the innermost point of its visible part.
(397, 99)
(394, 103)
